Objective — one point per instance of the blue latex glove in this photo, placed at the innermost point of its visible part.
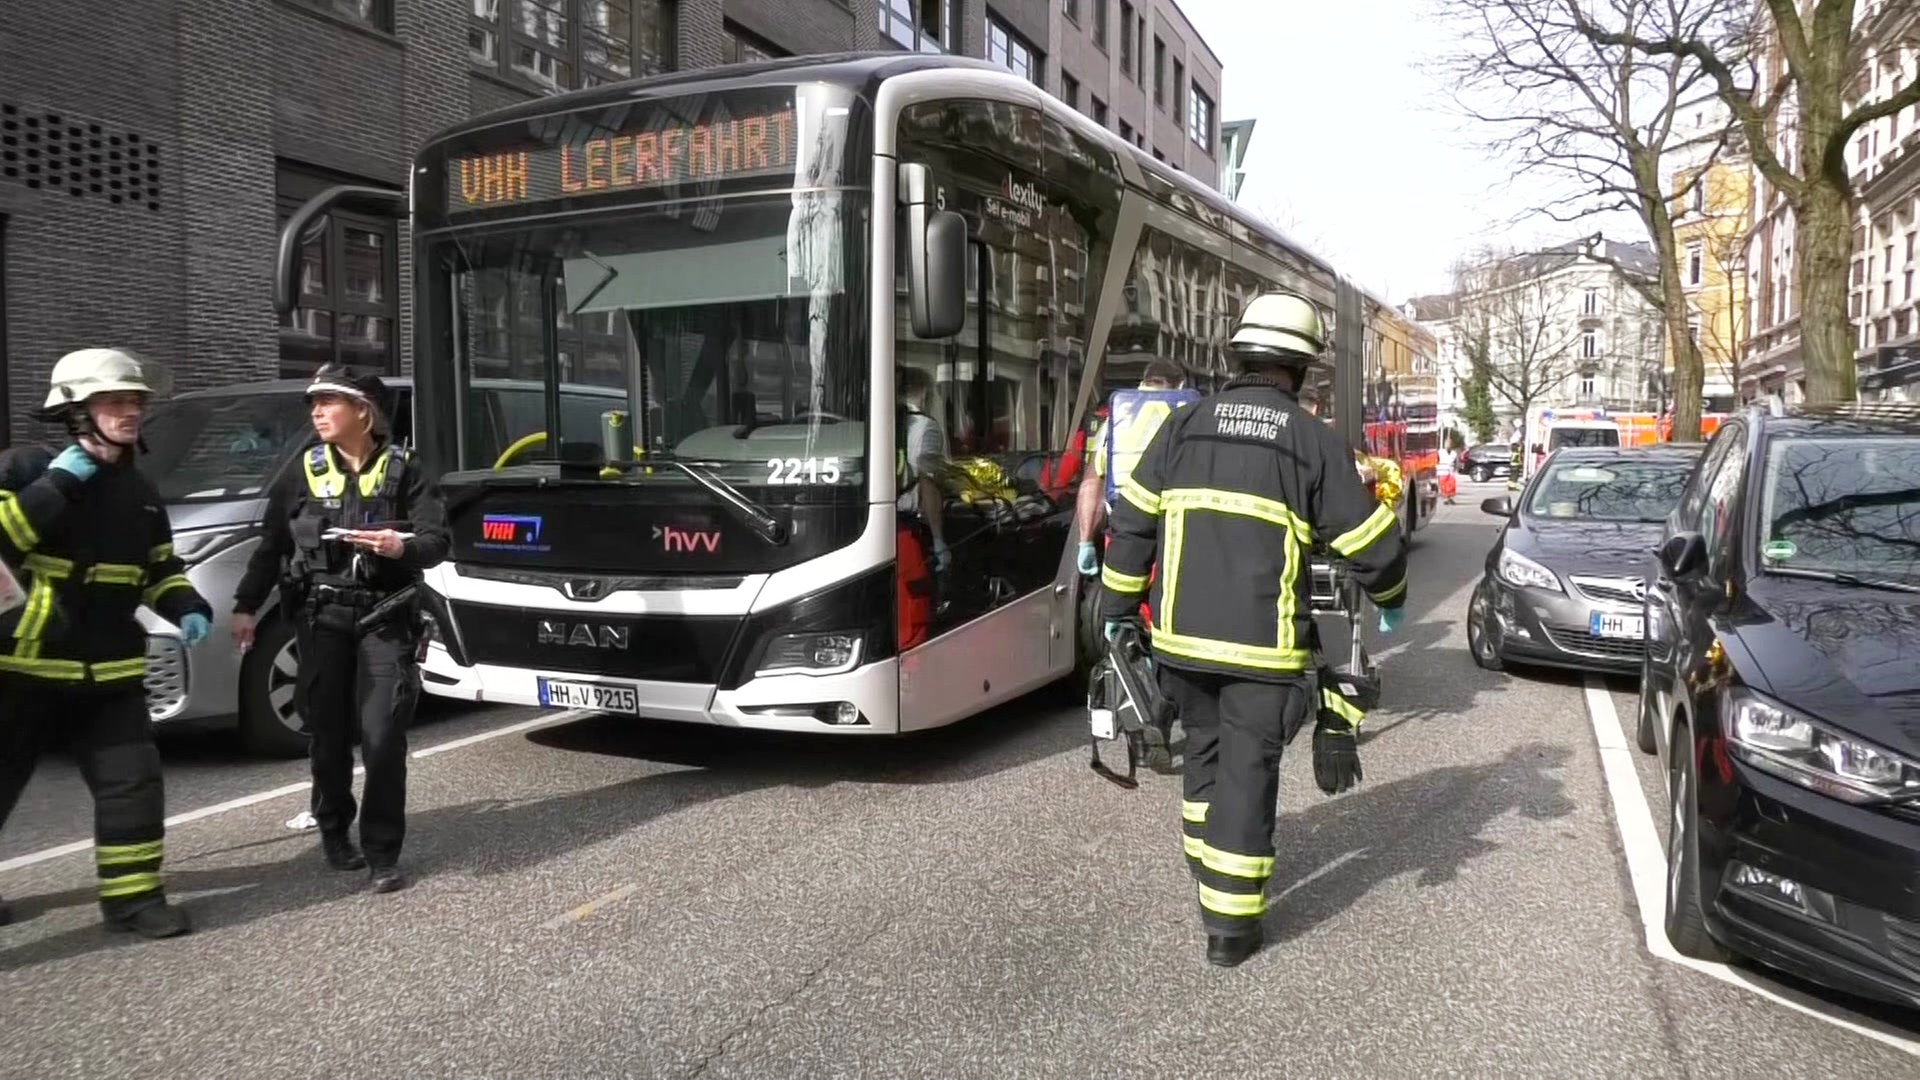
(1390, 619)
(75, 461)
(193, 628)
(941, 557)
(1089, 558)
(1112, 629)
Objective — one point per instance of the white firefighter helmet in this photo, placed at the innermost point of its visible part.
(1283, 327)
(80, 375)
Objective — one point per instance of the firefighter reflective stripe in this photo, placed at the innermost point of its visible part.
(1233, 904)
(1284, 655)
(160, 553)
(164, 586)
(112, 670)
(1193, 829)
(64, 670)
(129, 854)
(1251, 867)
(34, 618)
(19, 530)
(1392, 594)
(116, 573)
(1195, 812)
(125, 885)
(1121, 583)
(1356, 540)
(50, 565)
(1147, 502)
(1332, 701)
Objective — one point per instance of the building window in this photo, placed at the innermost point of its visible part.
(1100, 23)
(1140, 54)
(1200, 119)
(1070, 90)
(1696, 263)
(919, 25)
(1693, 329)
(375, 13)
(1586, 386)
(1010, 51)
(1126, 39)
(1589, 344)
(1072, 8)
(1159, 72)
(1697, 195)
(1179, 89)
(348, 301)
(1126, 131)
(741, 47)
(1099, 112)
(568, 44)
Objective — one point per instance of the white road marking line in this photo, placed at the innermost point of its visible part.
(1329, 868)
(19, 862)
(1647, 867)
(591, 906)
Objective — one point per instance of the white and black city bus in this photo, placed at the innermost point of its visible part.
(741, 259)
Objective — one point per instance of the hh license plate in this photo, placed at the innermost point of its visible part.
(604, 697)
(1605, 624)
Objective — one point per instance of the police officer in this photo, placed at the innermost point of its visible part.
(351, 525)
(1230, 498)
(1133, 418)
(88, 536)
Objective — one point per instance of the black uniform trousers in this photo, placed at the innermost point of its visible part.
(107, 729)
(369, 681)
(1236, 729)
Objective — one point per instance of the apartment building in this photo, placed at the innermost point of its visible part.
(1712, 181)
(1139, 68)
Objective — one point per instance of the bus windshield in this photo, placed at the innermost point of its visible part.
(727, 331)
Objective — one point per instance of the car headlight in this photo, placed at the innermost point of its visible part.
(1791, 745)
(193, 547)
(1521, 572)
(811, 654)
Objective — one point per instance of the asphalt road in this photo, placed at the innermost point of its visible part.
(606, 898)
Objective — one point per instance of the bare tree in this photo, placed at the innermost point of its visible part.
(1511, 327)
(1597, 117)
(1797, 122)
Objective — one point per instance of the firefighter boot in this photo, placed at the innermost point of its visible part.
(341, 854)
(387, 879)
(1225, 951)
(154, 919)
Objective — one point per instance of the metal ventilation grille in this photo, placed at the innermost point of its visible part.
(51, 152)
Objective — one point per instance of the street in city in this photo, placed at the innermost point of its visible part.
(597, 896)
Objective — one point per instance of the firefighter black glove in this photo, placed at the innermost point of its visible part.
(1336, 754)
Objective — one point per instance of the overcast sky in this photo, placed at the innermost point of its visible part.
(1357, 143)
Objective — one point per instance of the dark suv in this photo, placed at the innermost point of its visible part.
(1486, 461)
(1782, 690)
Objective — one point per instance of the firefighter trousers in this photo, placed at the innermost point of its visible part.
(368, 682)
(110, 736)
(1236, 730)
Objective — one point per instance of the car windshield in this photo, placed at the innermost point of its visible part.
(1637, 489)
(1843, 505)
(225, 447)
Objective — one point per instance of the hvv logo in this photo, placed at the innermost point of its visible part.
(675, 539)
(511, 532)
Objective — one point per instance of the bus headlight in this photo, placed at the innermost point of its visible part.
(832, 653)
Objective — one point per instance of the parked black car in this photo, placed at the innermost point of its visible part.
(1565, 578)
(1782, 691)
(1486, 461)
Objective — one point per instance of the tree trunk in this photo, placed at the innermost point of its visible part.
(1825, 246)
(1689, 373)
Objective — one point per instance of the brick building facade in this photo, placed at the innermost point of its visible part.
(149, 151)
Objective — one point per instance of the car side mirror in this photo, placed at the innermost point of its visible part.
(1498, 507)
(1683, 553)
(936, 258)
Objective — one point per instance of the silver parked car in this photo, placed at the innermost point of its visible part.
(214, 455)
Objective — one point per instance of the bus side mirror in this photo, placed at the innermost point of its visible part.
(936, 258)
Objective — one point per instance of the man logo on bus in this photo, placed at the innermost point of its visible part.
(511, 532)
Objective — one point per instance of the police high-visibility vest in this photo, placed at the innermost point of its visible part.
(1134, 417)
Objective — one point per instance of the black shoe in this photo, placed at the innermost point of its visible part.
(1223, 951)
(341, 854)
(387, 879)
(156, 920)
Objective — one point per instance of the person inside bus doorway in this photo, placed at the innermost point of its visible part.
(351, 527)
(1239, 488)
(1133, 416)
(924, 443)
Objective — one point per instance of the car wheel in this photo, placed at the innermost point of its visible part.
(1479, 638)
(1482, 473)
(1686, 926)
(1644, 735)
(269, 723)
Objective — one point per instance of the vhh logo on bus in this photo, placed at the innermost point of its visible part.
(677, 539)
(510, 528)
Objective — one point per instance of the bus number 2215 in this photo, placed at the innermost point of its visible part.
(803, 470)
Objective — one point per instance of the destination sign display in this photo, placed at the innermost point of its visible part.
(758, 145)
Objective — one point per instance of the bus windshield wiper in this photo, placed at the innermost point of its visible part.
(1841, 577)
(756, 516)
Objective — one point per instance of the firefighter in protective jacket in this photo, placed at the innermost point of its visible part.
(88, 535)
(1230, 499)
(348, 531)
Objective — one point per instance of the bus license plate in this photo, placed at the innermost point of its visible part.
(1604, 624)
(602, 697)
